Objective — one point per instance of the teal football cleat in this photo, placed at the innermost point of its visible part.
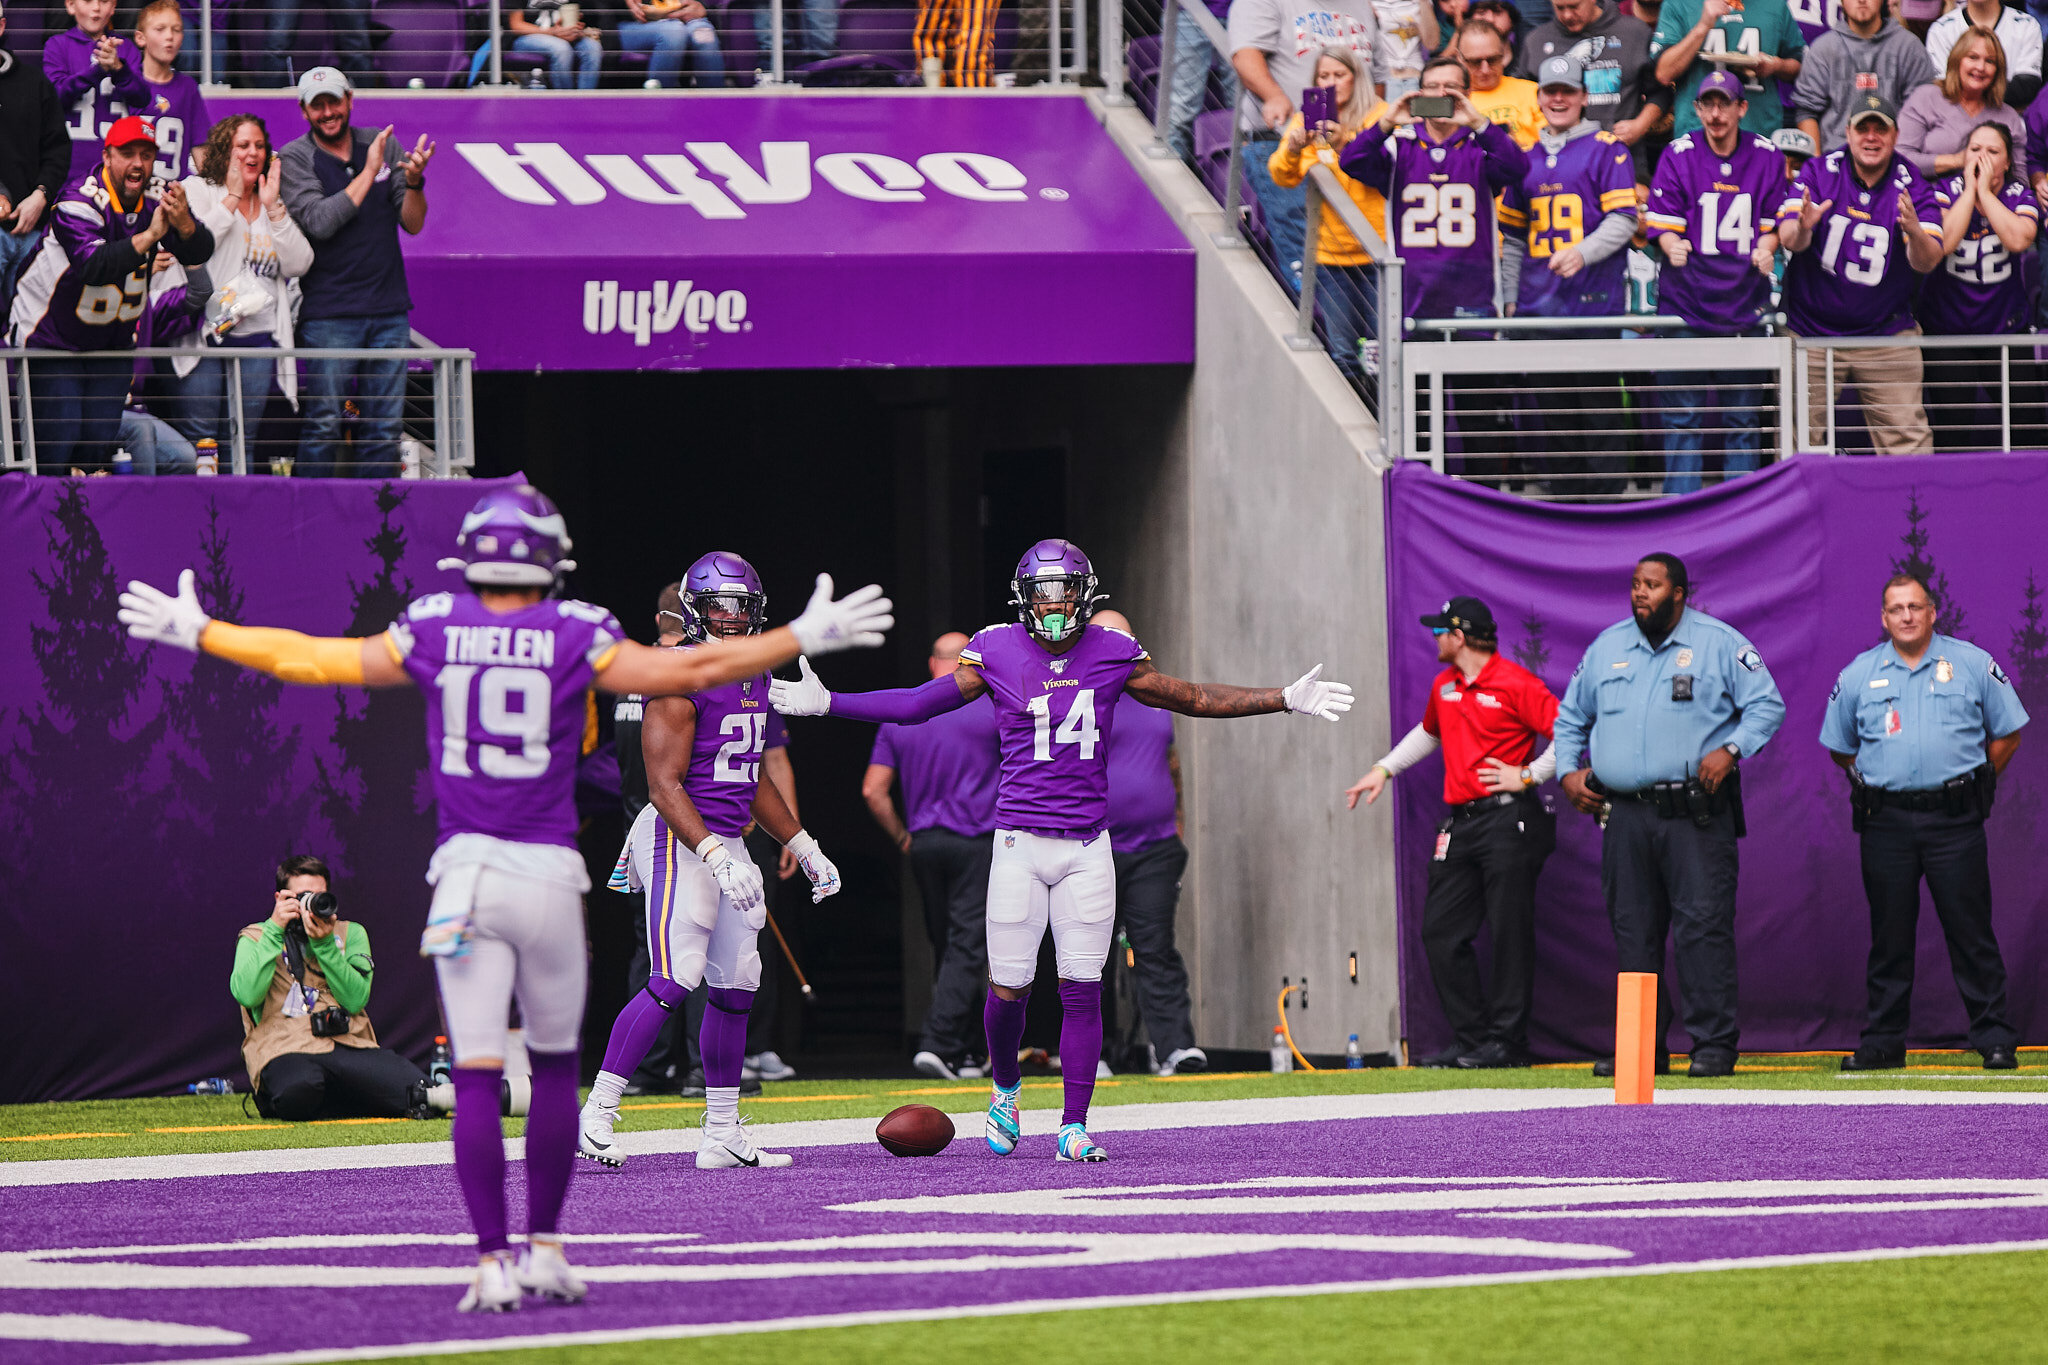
(1076, 1145)
(1002, 1129)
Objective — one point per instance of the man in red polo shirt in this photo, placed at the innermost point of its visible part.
(1487, 714)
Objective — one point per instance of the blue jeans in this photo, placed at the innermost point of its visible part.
(16, 252)
(379, 395)
(157, 448)
(1193, 60)
(1739, 419)
(1286, 213)
(820, 31)
(673, 40)
(1348, 297)
(77, 405)
(348, 25)
(571, 66)
(203, 412)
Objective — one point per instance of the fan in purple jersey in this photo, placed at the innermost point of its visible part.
(1567, 224)
(505, 669)
(87, 288)
(1713, 213)
(1861, 224)
(706, 902)
(1055, 680)
(98, 78)
(174, 101)
(1988, 229)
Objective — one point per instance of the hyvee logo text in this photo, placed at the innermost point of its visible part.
(642, 313)
(715, 179)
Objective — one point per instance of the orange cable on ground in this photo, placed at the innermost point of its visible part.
(1280, 1008)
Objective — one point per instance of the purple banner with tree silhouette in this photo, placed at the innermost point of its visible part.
(1794, 557)
(148, 795)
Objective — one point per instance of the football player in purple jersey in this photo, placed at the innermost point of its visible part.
(504, 668)
(1860, 224)
(1712, 213)
(1055, 680)
(704, 912)
(1988, 227)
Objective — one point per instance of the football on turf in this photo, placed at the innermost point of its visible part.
(914, 1130)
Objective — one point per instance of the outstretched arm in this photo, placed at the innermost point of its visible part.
(1307, 694)
(807, 696)
(856, 621)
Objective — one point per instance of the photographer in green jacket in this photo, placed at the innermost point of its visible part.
(302, 978)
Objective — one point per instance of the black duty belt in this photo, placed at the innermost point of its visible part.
(1486, 803)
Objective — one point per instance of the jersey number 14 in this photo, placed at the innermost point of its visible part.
(1078, 728)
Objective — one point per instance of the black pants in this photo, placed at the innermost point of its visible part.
(952, 880)
(1580, 428)
(1487, 876)
(345, 1083)
(1147, 894)
(1899, 848)
(1670, 877)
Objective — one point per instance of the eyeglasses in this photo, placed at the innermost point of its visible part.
(1439, 630)
(1496, 59)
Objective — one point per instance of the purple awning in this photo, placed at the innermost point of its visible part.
(730, 231)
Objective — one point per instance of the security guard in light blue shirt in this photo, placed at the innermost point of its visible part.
(1670, 700)
(1924, 723)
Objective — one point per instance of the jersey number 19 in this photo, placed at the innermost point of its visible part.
(518, 747)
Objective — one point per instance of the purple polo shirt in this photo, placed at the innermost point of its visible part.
(948, 768)
(1141, 797)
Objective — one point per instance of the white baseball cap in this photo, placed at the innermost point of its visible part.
(323, 80)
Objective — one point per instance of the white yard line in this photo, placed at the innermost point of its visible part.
(1121, 1118)
(681, 1331)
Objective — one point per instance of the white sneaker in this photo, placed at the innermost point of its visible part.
(594, 1140)
(725, 1148)
(971, 1069)
(495, 1291)
(1185, 1060)
(1102, 1071)
(767, 1066)
(933, 1065)
(543, 1271)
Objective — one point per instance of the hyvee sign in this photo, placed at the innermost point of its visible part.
(703, 230)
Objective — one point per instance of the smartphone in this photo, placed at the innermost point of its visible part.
(1318, 106)
(1433, 106)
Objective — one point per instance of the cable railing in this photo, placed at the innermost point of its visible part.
(57, 412)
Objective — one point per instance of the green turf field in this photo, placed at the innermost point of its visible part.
(220, 1123)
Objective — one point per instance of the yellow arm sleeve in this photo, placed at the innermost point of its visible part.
(286, 654)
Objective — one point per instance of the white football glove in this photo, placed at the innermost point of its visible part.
(740, 881)
(855, 621)
(1312, 697)
(804, 697)
(824, 876)
(151, 614)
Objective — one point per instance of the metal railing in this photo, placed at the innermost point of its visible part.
(1065, 48)
(435, 418)
(1323, 189)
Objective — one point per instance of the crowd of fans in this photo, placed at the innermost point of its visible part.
(1907, 170)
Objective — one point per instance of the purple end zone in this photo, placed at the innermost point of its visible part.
(378, 1257)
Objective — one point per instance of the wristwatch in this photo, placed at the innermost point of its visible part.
(1527, 779)
(1734, 750)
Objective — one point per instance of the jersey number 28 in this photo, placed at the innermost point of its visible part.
(1078, 728)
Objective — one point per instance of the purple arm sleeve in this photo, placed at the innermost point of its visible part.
(904, 705)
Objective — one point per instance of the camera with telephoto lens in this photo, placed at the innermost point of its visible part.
(319, 904)
(331, 1022)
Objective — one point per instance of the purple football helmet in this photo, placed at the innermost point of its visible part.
(1054, 572)
(512, 538)
(722, 595)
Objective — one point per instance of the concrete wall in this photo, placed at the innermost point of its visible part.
(1243, 533)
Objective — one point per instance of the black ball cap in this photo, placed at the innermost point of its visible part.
(1468, 614)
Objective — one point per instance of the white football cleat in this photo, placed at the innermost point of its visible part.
(594, 1140)
(768, 1066)
(1183, 1061)
(1076, 1145)
(932, 1064)
(1002, 1128)
(495, 1291)
(725, 1148)
(544, 1272)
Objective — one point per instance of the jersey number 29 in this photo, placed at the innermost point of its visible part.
(1078, 728)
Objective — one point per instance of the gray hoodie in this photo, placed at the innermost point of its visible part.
(1894, 59)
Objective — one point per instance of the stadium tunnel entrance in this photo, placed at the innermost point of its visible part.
(930, 482)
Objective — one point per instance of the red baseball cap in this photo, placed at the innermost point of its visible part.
(132, 128)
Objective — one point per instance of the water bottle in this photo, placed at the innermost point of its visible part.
(208, 452)
(1354, 1060)
(212, 1085)
(124, 463)
(439, 1065)
(1283, 1056)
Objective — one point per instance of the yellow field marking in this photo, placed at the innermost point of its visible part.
(222, 1128)
(378, 1120)
(60, 1137)
(1213, 1076)
(755, 1099)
